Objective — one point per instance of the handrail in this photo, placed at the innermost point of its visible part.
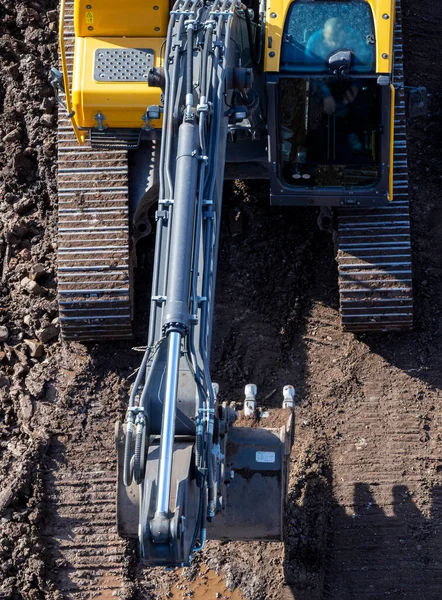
(80, 135)
(392, 117)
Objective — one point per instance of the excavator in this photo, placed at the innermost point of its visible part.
(159, 105)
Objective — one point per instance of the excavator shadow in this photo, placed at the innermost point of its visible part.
(360, 549)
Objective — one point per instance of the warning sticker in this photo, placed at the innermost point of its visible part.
(89, 17)
(265, 457)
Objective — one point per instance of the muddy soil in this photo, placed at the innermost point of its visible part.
(364, 512)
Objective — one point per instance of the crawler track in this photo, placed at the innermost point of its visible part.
(374, 258)
(94, 278)
(82, 544)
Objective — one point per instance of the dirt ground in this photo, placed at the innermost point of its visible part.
(364, 514)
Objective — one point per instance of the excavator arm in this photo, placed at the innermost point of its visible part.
(176, 437)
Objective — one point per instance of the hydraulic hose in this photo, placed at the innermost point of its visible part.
(139, 453)
(189, 61)
(127, 475)
(250, 36)
(205, 54)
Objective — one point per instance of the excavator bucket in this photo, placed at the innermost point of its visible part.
(255, 498)
(255, 477)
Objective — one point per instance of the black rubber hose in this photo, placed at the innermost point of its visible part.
(210, 479)
(127, 475)
(250, 36)
(207, 40)
(137, 455)
(144, 448)
(199, 527)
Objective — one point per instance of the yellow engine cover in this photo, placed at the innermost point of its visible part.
(115, 44)
(109, 18)
(122, 102)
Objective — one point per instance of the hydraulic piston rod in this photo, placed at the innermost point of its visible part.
(168, 424)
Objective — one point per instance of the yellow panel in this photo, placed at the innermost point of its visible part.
(131, 18)
(393, 104)
(384, 18)
(276, 13)
(384, 27)
(122, 103)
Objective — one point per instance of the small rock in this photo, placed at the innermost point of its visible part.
(48, 333)
(4, 333)
(13, 72)
(24, 205)
(47, 105)
(26, 407)
(20, 370)
(20, 354)
(10, 198)
(4, 381)
(22, 165)
(2, 356)
(12, 264)
(35, 348)
(12, 136)
(37, 272)
(52, 15)
(47, 120)
(27, 320)
(25, 254)
(32, 287)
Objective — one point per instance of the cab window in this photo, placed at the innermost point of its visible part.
(340, 149)
(315, 31)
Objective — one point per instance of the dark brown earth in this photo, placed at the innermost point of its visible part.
(364, 516)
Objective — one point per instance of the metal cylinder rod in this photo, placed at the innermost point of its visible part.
(168, 423)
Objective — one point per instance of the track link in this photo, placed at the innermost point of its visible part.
(374, 257)
(94, 275)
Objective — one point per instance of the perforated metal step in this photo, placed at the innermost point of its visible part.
(111, 139)
(129, 64)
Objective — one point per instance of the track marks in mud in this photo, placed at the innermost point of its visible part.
(86, 554)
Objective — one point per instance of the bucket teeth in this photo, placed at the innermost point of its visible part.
(288, 393)
(250, 401)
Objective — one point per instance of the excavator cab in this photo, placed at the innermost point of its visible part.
(330, 111)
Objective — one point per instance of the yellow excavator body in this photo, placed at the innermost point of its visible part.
(106, 18)
(121, 100)
(115, 44)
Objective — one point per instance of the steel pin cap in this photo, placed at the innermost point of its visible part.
(288, 393)
(250, 402)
